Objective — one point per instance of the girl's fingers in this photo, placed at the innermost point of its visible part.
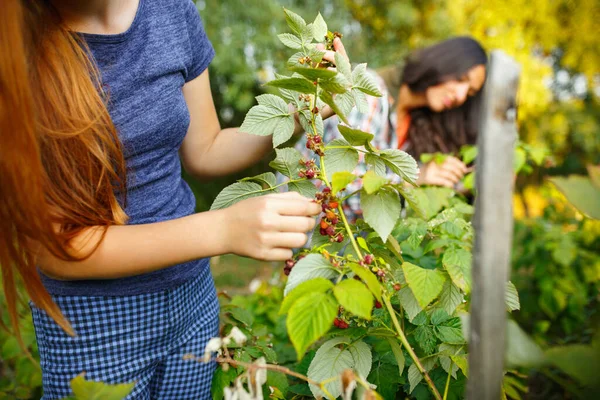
(339, 47)
(456, 163)
(278, 254)
(289, 240)
(296, 224)
(297, 207)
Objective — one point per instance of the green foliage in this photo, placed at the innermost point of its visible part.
(90, 390)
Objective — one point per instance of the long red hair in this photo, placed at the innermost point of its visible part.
(61, 161)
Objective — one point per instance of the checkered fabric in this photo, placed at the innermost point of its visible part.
(140, 338)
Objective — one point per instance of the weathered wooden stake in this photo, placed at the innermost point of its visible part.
(493, 222)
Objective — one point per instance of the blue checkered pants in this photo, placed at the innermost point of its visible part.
(140, 338)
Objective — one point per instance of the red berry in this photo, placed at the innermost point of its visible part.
(333, 204)
(339, 238)
(397, 287)
(310, 174)
(315, 110)
(381, 273)
(330, 230)
(318, 140)
(369, 259)
(377, 304)
(323, 232)
(290, 263)
(327, 190)
(324, 207)
(334, 221)
(287, 271)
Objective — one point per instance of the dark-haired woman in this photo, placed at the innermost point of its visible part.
(429, 105)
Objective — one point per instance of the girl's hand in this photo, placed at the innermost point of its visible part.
(268, 227)
(447, 174)
(338, 47)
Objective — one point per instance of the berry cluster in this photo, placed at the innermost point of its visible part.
(330, 219)
(310, 169)
(304, 60)
(315, 143)
(289, 264)
(330, 37)
(340, 323)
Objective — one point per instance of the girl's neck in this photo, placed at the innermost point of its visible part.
(105, 17)
(408, 100)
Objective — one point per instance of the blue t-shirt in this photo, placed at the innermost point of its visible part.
(143, 70)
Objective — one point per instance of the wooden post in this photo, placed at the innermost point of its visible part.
(493, 223)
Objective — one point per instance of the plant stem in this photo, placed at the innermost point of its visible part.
(448, 381)
(270, 367)
(411, 352)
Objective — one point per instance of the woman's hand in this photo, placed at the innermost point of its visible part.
(338, 47)
(447, 174)
(268, 227)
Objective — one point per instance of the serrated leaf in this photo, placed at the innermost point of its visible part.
(314, 73)
(360, 99)
(91, 390)
(369, 278)
(341, 179)
(411, 198)
(397, 350)
(306, 188)
(268, 178)
(581, 193)
(450, 332)
(343, 66)
(355, 137)
(425, 338)
(461, 362)
(291, 41)
(373, 182)
(331, 360)
(512, 297)
(283, 131)
(337, 160)
(364, 81)
(458, 265)
(468, 154)
(270, 117)
(297, 84)
(448, 365)
(378, 164)
(237, 192)
(320, 285)
(287, 161)
(414, 377)
(345, 102)
(409, 302)
(319, 28)
(450, 297)
(381, 210)
(426, 284)
(270, 100)
(327, 98)
(401, 163)
(338, 84)
(354, 297)
(439, 316)
(311, 266)
(295, 22)
(309, 319)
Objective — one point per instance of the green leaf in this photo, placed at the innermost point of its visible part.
(378, 164)
(578, 361)
(340, 180)
(439, 316)
(425, 338)
(337, 160)
(387, 380)
(90, 390)
(450, 297)
(268, 178)
(450, 332)
(461, 362)
(414, 377)
(310, 317)
(381, 210)
(360, 99)
(314, 73)
(311, 266)
(327, 98)
(354, 297)
(512, 297)
(519, 160)
(278, 381)
(319, 28)
(338, 84)
(320, 285)
(270, 117)
(458, 264)
(306, 188)
(409, 302)
(335, 356)
(468, 153)
(397, 350)
(580, 192)
(287, 161)
(345, 102)
(295, 22)
(401, 163)
(355, 137)
(297, 84)
(237, 192)
(411, 198)
(221, 380)
(426, 284)
(373, 182)
(364, 82)
(242, 315)
(343, 66)
(521, 350)
(291, 41)
(368, 278)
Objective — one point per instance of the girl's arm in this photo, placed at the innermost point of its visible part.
(265, 228)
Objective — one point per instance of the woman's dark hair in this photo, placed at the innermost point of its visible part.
(448, 130)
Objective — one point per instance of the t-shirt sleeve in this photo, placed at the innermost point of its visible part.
(201, 49)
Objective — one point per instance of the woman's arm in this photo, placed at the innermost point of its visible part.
(265, 228)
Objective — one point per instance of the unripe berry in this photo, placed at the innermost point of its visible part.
(333, 204)
(397, 287)
(339, 238)
(327, 190)
(377, 304)
(310, 174)
(381, 273)
(330, 230)
(369, 259)
(324, 224)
